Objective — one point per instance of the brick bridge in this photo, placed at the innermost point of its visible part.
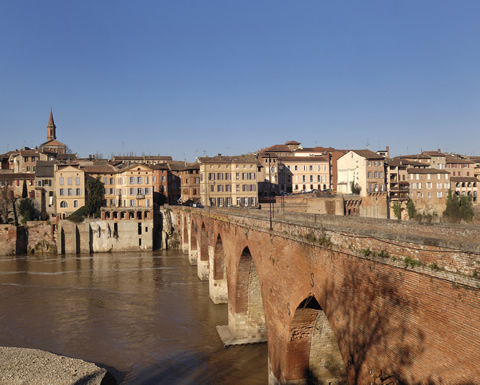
(343, 300)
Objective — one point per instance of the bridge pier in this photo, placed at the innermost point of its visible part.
(217, 283)
(203, 252)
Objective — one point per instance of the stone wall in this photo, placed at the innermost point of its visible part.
(41, 237)
(95, 235)
(36, 237)
(8, 240)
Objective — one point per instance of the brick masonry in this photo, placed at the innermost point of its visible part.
(401, 298)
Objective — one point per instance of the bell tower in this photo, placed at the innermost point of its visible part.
(51, 128)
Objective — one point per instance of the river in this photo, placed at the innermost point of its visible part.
(146, 317)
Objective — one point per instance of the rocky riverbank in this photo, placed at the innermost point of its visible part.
(20, 366)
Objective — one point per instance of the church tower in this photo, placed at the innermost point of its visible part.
(51, 134)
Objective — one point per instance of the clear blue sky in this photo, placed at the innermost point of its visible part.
(189, 78)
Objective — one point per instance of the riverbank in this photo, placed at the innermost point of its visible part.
(19, 366)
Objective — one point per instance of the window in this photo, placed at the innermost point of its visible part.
(61, 192)
(139, 180)
(69, 181)
(63, 204)
(132, 180)
(75, 203)
(439, 194)
(61, 181)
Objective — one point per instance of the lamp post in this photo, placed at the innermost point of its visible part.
(270, 191)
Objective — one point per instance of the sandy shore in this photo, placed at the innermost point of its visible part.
(20, 366)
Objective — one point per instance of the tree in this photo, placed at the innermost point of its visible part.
(356, 189)
(5, 209)
(458, 208)
(24, 190)
(397, 210)
(26, 208)
(411, 209)
(95, 197)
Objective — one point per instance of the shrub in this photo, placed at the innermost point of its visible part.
(411, 209)
(79, 215)
(458, 208)
(356, 189)
(397, 210)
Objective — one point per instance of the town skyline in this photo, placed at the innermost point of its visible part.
(196, 79)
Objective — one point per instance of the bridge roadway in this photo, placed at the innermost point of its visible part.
(343, 300)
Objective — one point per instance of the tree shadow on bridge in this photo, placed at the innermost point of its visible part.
(372, 325)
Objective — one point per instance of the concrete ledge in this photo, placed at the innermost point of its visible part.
(228, 339)
(20, 366)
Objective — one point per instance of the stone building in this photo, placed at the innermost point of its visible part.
(428, 189)
(45, 188)
(364, 168)
(306, 173)
(70, 189)
(229, 180)
(190, 183)
(52, 146)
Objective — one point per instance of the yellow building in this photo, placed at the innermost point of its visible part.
(70, 189)
(229, 180)
(134, 187)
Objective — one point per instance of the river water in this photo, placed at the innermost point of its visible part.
(146, 317)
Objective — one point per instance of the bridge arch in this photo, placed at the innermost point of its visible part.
(192, 244)
(202, 260)
(246, 316)
(218, 287)
(313, 354)
(184, 233)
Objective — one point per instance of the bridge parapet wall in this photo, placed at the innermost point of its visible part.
(438, 249)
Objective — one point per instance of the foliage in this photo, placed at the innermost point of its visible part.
(5, 209)
(26, 208)
(409, 261)
(458, 208)
(356, 189)
(397, 210)
(95, 197)
(79, 215)
(24, 190)
(411, 209)
(366, 252)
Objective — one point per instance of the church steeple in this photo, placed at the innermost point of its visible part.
(51, 128)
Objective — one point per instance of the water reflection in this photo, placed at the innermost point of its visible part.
(144, 316)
